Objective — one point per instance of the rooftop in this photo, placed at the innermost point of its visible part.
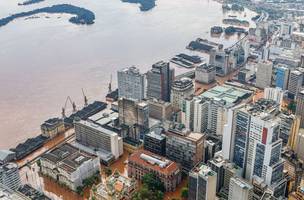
(154, 162)
(131, 70)
(205, 68)
(97, 127)
(203, 170)
(51, 123)
(264, 108)
(68, 157)
(229, 94)
(182, 84)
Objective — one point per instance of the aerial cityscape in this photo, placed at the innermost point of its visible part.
(152, 100)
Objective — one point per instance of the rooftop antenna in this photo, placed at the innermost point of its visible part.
(110, 85)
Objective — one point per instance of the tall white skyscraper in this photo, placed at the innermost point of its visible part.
(131, 83)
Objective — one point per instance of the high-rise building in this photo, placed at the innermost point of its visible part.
(286, 29)
(254, 144)
(185, 147)
(240, 189)
(202, 183)
(205, 73)
(180, 90)
(131, 83)
(300, 106)
(160, 110)
(236, 137)
(299, 147)
(264, 146)
(159, 81)
(295, 83)
(281, 77)
(155, 142)
(134, 115)
(217, 165)
(208, 112)
(289, 128)
(264, 75)
(9, 175)
(95, 136)
(275, 94)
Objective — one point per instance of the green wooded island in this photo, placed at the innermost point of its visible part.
(83, 16)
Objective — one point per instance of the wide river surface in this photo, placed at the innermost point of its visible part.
(43, 60)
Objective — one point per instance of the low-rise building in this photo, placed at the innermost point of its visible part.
(69, 165)
(115, 187)
(185, 147)
(52, 127)
(142, 162)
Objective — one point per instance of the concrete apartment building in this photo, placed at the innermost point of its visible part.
(264, 75)
(181, 89)
(98, 138)
(185, 147)
(131, 83)
(69, 165)
(202, 183)
(295, 83)
(142, 162)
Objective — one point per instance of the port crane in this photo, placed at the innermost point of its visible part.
(84, 98)
(68, 99)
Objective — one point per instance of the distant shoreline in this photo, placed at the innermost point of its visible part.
(29, 2)
(83, 16)
(145, 5)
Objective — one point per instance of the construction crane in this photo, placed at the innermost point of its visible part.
(68, 99)
(84, 98)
